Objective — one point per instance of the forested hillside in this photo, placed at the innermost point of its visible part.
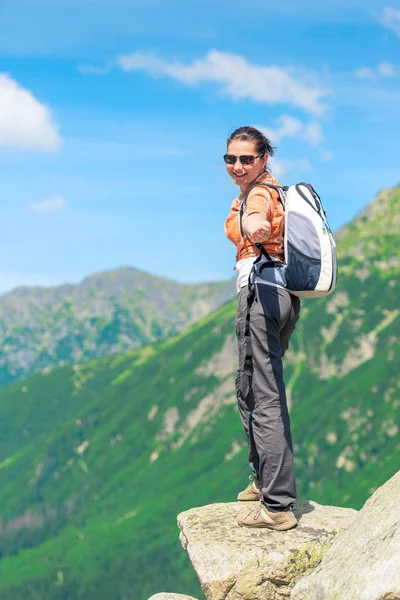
(108, 313)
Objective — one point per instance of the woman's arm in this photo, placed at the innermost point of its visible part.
(255, 221)
(256, 228)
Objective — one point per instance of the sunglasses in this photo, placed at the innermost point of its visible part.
(245, 159)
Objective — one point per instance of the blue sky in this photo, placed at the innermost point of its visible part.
(114, 117)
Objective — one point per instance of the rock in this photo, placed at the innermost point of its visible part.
(167, 596)
(235, 562)
(364, 561)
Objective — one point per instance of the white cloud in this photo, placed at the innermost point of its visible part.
(313, 133)
(289, 126)
(49, 205)
(388, 70)
(363, 73)
(383, 69)
(24, 121)
(239, 78)
(282, 167)
(325, 155)
(391, 20)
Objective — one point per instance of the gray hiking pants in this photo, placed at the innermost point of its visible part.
(261, 392)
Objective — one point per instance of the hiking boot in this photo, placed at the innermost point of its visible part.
(252, 492)
(260, 516)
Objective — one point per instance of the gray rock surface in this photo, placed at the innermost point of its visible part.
(238, 563)
(364, 561)
(167, 596)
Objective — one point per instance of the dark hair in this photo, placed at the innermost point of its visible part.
(251, 134)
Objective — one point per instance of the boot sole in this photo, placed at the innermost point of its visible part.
(252, 499)
(278, 527)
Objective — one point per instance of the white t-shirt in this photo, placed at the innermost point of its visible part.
(243, 267)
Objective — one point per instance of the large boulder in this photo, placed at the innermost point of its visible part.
(238, 563)
(364, 561)
(168, 596)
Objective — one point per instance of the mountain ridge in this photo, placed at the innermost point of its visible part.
(108, 312)
(104, 272)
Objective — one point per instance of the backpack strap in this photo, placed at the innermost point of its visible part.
(281, 193)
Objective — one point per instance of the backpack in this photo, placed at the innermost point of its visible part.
(310, 270)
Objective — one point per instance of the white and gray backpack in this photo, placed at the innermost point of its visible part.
(310, 268)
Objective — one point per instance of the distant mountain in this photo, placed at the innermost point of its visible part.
(97, 459)
(107, 313)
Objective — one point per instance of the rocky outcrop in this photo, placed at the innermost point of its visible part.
(364, 561)
(235, 563)
(167, 596)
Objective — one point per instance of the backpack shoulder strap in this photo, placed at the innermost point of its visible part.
(281, 190)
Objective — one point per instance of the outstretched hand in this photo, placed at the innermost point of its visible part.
(258, 230)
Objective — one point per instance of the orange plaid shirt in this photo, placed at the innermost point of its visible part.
(265, 202)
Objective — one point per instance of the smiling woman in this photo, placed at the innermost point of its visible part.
(247, 166)
(246, 161)
(265, 319)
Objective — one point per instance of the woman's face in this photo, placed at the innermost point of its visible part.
(243, 175)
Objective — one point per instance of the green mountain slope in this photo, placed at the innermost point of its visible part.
(97, 459)
(107, 313)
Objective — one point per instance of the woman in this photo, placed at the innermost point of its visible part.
(272, 313)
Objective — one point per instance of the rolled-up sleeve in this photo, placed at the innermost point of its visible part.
(260, 202)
